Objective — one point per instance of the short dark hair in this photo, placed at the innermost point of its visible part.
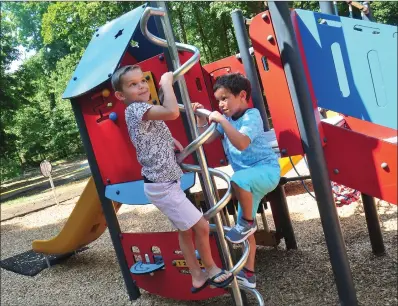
(117, 76)
(235, 83)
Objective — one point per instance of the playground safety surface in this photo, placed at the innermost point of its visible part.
(298, 277)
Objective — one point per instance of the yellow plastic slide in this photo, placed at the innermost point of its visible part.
(286, 165)
(85, 224)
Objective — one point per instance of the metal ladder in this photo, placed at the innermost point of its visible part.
(196, 146)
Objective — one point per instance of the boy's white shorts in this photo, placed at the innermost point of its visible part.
(171, 200)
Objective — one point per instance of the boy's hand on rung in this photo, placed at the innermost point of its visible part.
(178, 145)
(216, 117)
(200, 119)
(166, 79)
(196, 106)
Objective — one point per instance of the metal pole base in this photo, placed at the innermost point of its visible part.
(280, 212)
(372, 221)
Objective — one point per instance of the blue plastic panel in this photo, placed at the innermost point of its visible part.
(105, 51)
(133, 192)
(353, 65)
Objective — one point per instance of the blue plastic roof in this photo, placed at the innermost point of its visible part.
(106, 49)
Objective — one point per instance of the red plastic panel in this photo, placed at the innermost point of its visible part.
(219, 68)
(111, 143)
(127, 59)
(358, 159)
(368, 128)
(169, 282)
(113, 150)
(275, 86)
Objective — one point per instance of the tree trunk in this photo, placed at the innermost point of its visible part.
(201, 33)
(225, 29)
(181, 23)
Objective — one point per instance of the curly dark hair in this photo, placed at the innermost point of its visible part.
(235, 83)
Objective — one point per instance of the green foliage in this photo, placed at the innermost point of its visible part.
(385, 12)
(35, 122)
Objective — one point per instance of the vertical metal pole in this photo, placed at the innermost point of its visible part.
(312, 146)
(208, 187)
(53, 189)
(372, 221)
(243, 43)
(350, 10)
(336, 9)
(107, 206)
(250, 69)
(326, 7)
(277, 199)
(368, 16)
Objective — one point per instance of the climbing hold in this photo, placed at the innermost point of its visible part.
(113, 116)
(106, 93)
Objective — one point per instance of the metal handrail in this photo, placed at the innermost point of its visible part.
(195, 144)
(246, 249)
(151, 11)
(224, 200)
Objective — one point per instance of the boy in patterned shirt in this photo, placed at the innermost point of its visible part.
(155, 152)
(256, 167)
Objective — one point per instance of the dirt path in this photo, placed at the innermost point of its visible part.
(34, 183)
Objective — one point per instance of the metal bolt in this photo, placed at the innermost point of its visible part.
(222, 162)
(283, 151)
(270, 38)
(325, 139)
(117, 192)
(336, 171)
(211, 74)
(108, 181)
(109, 75)
(161, 57)
(147, 78)
(384, 165)
(264, 16)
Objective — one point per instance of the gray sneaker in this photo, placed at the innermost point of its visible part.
(241, 231)
(246, 281)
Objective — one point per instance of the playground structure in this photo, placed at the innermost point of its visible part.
(305, 60)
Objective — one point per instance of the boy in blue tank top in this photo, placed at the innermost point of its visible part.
(256, 167)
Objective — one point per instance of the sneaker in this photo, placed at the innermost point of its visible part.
(246, 281)
(241, 231)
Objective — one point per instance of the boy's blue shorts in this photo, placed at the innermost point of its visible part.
(258, 180)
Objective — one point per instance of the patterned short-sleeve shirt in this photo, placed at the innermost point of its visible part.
(259, 152)
(154, 145)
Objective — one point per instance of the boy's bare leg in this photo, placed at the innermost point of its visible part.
(245, 199)
(252, 253)
(202, 231)
(188, 250)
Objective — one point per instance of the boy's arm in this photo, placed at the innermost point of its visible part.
(203, 125)
(169, 110)
(212, 137)
(238, 140)
(178, 145)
